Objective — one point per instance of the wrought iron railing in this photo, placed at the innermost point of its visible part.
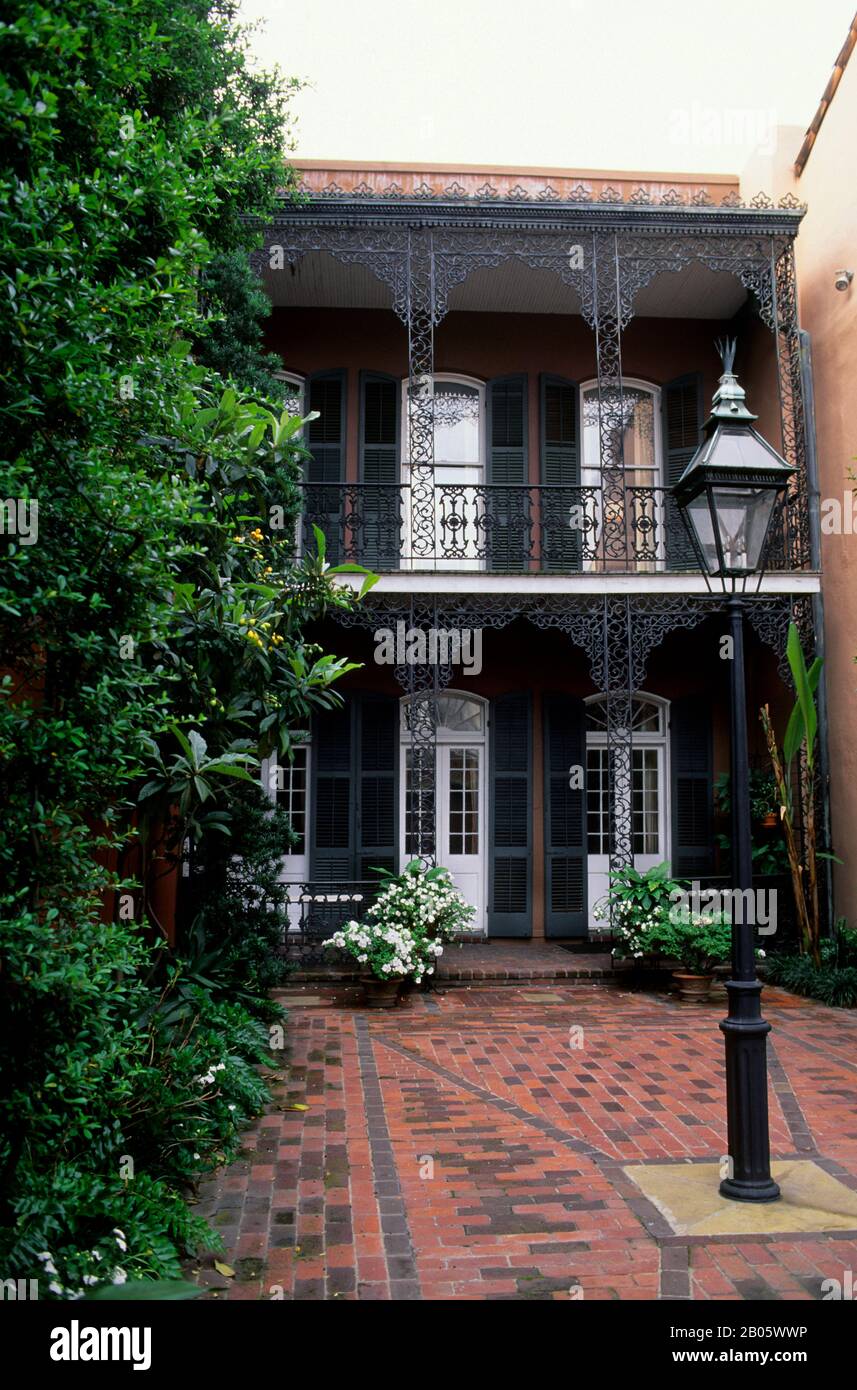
(316, 910)
(512, 529)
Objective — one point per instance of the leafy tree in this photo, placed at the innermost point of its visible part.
(153, 610)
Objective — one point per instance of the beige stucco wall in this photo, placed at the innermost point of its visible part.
(828, 242)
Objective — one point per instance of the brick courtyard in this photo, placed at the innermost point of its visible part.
(471, 1145)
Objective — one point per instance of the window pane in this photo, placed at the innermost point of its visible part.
(291, 796)
(645, 801)
(456, 423)
(463, 801)
(597, 803)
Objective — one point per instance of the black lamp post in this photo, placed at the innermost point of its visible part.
(729, 495)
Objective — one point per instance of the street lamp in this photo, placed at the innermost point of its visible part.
(729, 496)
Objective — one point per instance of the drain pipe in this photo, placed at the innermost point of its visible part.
(814, 499)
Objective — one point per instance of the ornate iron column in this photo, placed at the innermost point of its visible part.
(422, 684)
(421, 310)
(619, 685)
(607, 311)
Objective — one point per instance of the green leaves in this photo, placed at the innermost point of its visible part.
(803, 722)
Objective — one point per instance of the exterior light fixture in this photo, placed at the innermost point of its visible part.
(733, 488)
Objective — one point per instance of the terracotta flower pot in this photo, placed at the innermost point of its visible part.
(770, 820)
(693, 988)
(380, 994)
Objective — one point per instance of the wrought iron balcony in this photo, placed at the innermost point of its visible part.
(511, 529)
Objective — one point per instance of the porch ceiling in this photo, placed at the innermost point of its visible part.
(318, 280)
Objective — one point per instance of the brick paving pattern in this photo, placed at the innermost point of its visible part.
(468, 1145)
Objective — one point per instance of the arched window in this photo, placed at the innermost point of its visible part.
(459, 426)
(294, 391)
(641, 433)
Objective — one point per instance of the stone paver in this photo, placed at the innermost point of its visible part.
(469, 1145)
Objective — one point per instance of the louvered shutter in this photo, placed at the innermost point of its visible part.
(682, 412)
(325, 468)
(378, 799)
(566, 904)
(355, 789)
(379, 523)
(332, 815)
(561, 537)
(510, 742)
(692, 787)
(508, 501)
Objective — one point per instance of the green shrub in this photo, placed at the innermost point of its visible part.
(833, 982)
(134, 1082)
(698, 940)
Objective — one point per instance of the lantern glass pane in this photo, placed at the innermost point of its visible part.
(743, 518)
(699, 516)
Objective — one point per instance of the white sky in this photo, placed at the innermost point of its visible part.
(589, 84)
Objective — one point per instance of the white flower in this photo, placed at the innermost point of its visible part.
(89, 1279)
(119, 1276)
(55, 1287)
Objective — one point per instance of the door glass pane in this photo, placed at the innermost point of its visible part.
(597, 802)
(637, 415)
(456, 423)
(645, 800)
(463, 801)
(291, 796)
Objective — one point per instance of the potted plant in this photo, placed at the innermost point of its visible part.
(425, 900)
(699, 942)
(390, 952)
(404, 929)
(634, 906)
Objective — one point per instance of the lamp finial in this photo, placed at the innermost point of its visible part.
(726, 349)
(729, 402)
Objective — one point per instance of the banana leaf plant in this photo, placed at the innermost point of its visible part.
(799, 748)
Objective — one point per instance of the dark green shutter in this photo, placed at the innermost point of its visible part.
(692, 787)
(324, 470)
(377, 806)
(355, 789)
(507, 509)
(566, 901)
(510, 833)
(682, 416)
(379, 514)
(331, 811)
(561, 542)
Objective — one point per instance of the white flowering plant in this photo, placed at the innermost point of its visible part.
(404, 929)
(637, 904)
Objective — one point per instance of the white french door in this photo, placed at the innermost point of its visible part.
(649, 814)
(459, 472)
(460, 820)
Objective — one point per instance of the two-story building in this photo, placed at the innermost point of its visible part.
(509, 371)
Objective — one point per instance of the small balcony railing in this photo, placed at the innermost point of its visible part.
(507, 529)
